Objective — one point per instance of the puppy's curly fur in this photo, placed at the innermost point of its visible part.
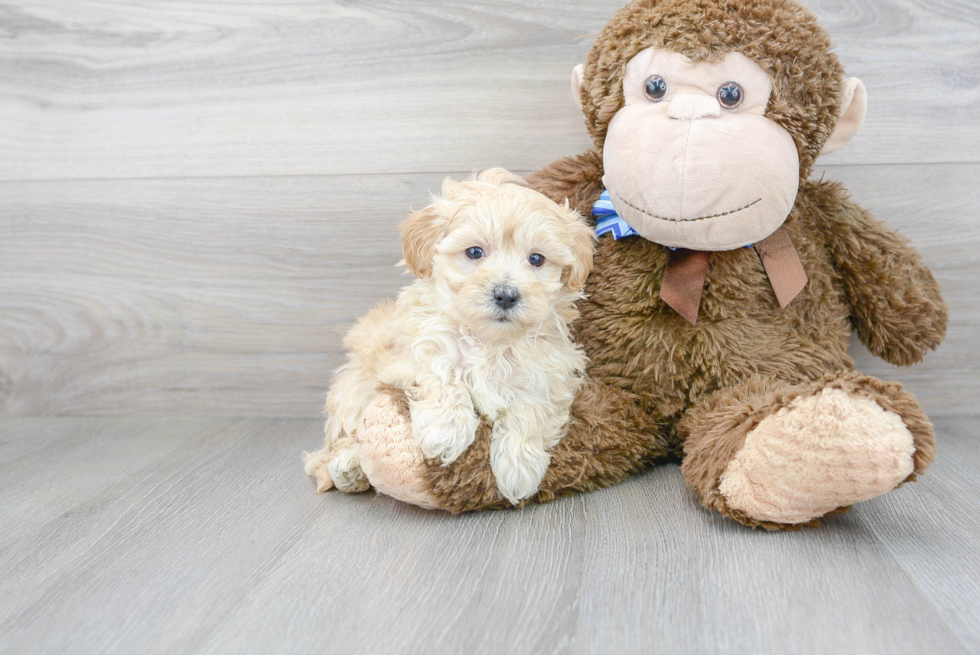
(483, 330)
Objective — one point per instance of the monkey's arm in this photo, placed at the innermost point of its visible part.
(577, 178)
(896, 306)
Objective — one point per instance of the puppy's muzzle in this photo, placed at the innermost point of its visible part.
(505, 297)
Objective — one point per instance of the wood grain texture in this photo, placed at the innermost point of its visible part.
(230, 296)
(165, 560)
(76, 460)
(931, 534)
(93, 89)
(217, 543)
(203, 296)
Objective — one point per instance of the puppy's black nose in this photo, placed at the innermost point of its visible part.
(506, 297)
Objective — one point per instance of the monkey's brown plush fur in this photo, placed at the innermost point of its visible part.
(660, 387)
(645, 357)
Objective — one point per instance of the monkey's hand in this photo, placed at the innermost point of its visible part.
(896, 306)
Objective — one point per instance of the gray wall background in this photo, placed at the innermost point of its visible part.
(197, 198)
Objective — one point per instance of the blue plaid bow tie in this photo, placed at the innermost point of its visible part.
(607, 220)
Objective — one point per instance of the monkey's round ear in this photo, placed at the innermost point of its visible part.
(577, 75)
(421, 232)
(854, 105)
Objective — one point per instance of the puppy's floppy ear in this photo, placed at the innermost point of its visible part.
(583, 248)
(421, 231)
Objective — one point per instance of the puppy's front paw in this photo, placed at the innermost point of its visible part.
(336, 467)
(518, 468)
(315, 465)
(443, 432)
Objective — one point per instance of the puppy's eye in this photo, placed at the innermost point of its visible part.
(474, 252)
(535, 259)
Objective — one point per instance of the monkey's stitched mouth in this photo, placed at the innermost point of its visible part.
(687, 220)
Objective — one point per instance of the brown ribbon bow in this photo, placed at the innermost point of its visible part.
(687, 269)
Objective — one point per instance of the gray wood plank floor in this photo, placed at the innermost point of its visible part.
(203, 535)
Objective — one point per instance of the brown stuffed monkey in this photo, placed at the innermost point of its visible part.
(726, 283)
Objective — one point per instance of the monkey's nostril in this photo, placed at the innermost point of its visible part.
(505, 297)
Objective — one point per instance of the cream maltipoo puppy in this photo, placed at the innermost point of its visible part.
(483, 330)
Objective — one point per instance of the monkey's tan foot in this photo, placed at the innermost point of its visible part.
(389, 454)
(781, 458)
(337, 466)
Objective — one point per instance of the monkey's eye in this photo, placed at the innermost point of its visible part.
(474, 252)
(655, 87)
(730, 95)
(535, 259)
